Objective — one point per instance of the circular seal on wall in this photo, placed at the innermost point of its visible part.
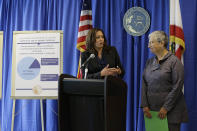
(136, 21)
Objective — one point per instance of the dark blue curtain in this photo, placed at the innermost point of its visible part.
(189, 17)
(19, 15)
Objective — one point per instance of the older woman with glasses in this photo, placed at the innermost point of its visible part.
(162, 83)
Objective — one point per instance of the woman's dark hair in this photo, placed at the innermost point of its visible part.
(91, 39)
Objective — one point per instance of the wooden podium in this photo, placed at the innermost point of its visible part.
(91, 104)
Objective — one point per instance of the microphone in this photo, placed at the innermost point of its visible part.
(87, 60)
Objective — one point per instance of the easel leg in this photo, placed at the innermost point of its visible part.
(41, 110)
(13, 114)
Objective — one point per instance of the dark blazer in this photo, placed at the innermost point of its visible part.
(109, 56)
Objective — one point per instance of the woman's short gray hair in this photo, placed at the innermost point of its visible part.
(160, 36)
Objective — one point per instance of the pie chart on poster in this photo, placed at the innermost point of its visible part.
(28, 68)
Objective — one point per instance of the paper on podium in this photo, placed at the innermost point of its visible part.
(155, 123)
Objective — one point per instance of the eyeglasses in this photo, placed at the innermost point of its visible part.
(151, 42)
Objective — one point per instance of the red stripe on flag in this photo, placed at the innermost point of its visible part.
(79, 75)
(179, 52)
(83, 46)
(177, 31)
(85, 17)
(81, 39)
(85, 27)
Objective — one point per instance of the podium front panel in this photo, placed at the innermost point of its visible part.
(82, 105)
(91, 104)
(83, 86)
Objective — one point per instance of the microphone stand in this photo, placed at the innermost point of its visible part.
(86, 64)
(86, 71)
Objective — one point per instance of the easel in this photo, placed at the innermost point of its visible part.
(1, 60)
(41, 108)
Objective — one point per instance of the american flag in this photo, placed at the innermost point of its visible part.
(177, 42)
(85, 25)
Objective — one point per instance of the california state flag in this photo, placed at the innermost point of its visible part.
(177, 42)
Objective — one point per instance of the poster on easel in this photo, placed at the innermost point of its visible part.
(36, 64)
(1, 60)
